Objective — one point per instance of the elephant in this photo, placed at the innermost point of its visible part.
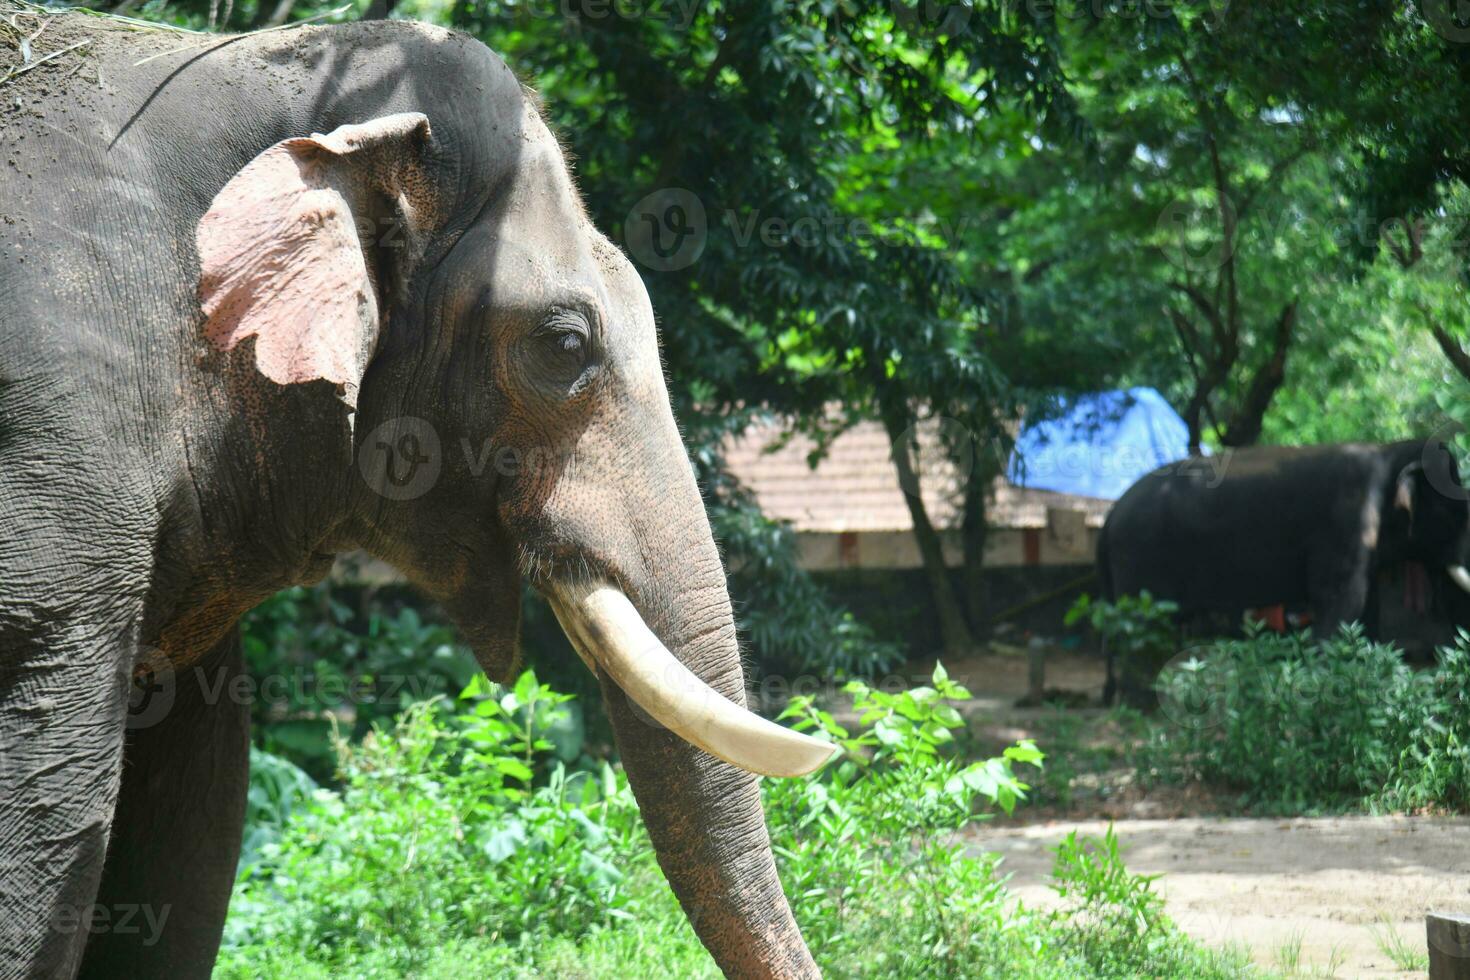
(269, 298)
(1304, 526)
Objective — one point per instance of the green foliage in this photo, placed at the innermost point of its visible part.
(1432, 770)
(1138, 623)
(316, 660)
(277, 788)
(1297, 724)
(444, 828)
(885, 819)
(459, 845)
(1139, 630)
(1091, 875)
(1382, 375)
(1112, 922)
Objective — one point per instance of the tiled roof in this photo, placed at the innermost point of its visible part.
(855, 487)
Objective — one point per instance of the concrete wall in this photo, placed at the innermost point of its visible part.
(1065, 540)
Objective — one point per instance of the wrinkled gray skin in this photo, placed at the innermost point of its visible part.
(153, 488)
(1302, 526)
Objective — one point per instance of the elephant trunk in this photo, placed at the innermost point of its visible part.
(678, 713)
(647, 609)
(708, 829)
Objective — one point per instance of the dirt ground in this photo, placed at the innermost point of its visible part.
(1308, 897)
(998, 678)
(1331, 885)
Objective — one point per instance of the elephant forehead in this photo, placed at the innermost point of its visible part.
(633, 338)
(548, 252)
(524, 274)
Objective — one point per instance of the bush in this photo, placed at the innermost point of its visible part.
(1297, 724)
(317, 660)
(1139, 633)
(443, 830)
(877, 838)
(461, 845)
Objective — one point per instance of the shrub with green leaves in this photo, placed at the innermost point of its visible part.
(1139, 631)
(461, 844)
(317, 660)
(1298, 724)
(448, 825)
(879, 836)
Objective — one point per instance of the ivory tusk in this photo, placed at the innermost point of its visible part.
(1461, 577)
(607, 630)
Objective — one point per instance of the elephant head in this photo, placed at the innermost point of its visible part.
(492, 359)
(1429, 519)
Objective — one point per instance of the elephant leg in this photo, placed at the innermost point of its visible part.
(63, 708)
(1339, 593)
(176, 835)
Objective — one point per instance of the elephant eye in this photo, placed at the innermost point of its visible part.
(569, 343)
(563, 345)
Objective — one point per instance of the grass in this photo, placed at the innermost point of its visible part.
(1402, 953)
(1289, 959)
(1288, 955)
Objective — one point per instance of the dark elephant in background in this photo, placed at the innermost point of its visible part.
(275, 297)
(1417, 609)
(1307, 527)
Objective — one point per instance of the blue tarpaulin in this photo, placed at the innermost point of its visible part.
(1100, 444)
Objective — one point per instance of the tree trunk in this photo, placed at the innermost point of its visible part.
(977, 489)
(954, 632)
(1458, 359)
(1249, 417)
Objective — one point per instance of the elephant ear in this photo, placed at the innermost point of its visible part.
(294, 251)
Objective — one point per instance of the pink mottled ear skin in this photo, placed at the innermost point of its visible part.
(281, 259)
